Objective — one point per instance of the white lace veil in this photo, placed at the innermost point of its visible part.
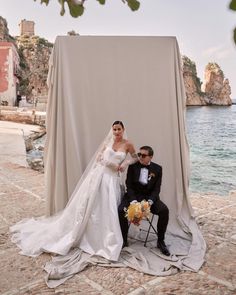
(95, 160)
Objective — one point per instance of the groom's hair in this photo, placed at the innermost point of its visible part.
(148, 149)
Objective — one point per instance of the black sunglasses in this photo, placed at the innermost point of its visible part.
(140, 155)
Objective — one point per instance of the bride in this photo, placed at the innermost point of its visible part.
(90, 220)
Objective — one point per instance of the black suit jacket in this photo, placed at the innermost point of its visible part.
(137, 191)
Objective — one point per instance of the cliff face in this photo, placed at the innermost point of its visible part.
(4, 33)
(192, 83)
(216, 87)
(34, 55)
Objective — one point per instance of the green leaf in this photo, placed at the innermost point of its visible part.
(102, 2)
(235, 36)
(232, 5)
(133, 4)
(75, 9)
(43, 1)
(62, 2)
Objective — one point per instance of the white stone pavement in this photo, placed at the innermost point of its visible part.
(22, 195)
(12, 144)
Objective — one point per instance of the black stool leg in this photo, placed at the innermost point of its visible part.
(149, 228)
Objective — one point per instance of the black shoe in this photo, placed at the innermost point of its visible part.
(162, 246)
(125, 244)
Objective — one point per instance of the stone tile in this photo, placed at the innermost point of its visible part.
(21, 205)
(212, 240)
(5, 242)
(229, 211)
(204, 205)
(221, 262)
(217, 224)
(18, 270)
(7, 188)
(39, 191)
(188, 284)
(76, 285)
(117, 280)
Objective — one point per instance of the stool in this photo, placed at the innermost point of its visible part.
(148, 231)
(150, 226)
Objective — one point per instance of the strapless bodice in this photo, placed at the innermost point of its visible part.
(112, 156)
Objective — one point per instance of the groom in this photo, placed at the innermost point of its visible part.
(144, 183)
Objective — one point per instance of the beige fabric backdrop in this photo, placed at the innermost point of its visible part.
(94, 81)
(97, 80)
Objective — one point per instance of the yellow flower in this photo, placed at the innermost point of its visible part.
(137, 211)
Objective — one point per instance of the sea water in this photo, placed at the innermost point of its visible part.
(211, 134)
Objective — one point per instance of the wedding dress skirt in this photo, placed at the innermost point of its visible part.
(89, 221)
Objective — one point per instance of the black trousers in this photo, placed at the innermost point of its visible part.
(157, 208)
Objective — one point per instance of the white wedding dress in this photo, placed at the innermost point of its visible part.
(89, 221)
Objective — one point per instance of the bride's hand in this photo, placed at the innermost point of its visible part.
(121, 168)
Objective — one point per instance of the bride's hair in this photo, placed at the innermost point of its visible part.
(119, 123)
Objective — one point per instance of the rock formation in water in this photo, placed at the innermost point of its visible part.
(215, 86)
(192, 83)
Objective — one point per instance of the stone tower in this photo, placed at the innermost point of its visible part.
(26, 27)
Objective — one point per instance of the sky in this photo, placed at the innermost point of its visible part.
(203, 28)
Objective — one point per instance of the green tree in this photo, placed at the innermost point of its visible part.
(232, 6)
(76, 7)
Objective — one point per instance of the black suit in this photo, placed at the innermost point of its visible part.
(139, 192)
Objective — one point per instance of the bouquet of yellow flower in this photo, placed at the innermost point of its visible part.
(137, 211)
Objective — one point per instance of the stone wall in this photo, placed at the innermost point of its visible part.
(25, 116)
(26, 27)
(9, 65)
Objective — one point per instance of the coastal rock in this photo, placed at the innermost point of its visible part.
(192, 83)
(215, 86)
(34, 53)
(4, 32)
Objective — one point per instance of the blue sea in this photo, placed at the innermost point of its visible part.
(212, 139)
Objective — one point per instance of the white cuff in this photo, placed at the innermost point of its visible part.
(134, 201)
(150, 202)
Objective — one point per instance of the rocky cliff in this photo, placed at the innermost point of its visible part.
(4, 33)
(34, 54)
(192, 83)
(215, 86)
(215, 89)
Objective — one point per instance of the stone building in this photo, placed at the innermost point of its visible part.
(26, 28)
(9, 67)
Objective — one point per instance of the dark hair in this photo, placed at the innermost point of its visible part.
(119, 123)
(148, 149)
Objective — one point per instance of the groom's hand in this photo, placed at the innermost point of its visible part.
(150, 202)
(133, 202)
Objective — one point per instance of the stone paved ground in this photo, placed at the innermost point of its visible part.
(22, 195)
